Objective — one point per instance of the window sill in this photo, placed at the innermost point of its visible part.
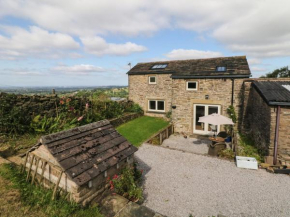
(156, 112)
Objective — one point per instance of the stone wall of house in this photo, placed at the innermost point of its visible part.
(219, 92)
(140, 91)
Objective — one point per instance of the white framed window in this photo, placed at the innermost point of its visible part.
(191, 85)
(152, 80)
(156, 105)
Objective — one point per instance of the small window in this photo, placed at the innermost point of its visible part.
(221, 68)
(152, 80)
(159, 66)
(156, 105)
(191, 85)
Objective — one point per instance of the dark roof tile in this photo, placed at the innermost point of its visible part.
(273, 91)
(237, 65)
(87, 151)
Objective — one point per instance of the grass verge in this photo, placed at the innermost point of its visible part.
(36, 199)
(140, 129)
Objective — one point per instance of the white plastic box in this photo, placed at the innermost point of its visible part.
(247, 162)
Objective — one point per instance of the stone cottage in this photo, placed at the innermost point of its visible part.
(79, 160)
(267, 117)
(188, 89)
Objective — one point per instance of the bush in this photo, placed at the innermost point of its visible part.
(247, 148)
(127, 183)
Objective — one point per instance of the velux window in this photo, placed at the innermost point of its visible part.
(191, 85)
(221, 68)
(159, 66)
(152, 80)
(156, 105)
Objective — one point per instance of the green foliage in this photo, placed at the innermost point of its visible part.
(279, 73)
(52, 124)
(168, 114)
(39, 198)
(247, 148)
(13, 120)
(232, 113)
(127, 184)
(227, 153)
(140, 129)
(60, 114)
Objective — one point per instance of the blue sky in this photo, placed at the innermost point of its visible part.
(90, 43)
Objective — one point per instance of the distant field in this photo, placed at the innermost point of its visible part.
(139, 130)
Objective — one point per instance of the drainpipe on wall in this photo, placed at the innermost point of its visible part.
(233, 87)
(276, 135)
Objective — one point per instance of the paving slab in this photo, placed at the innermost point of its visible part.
(192, 145)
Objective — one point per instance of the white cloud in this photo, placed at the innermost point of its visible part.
(34, 42)
(254, 61)
(82, 69)
(256, 28)
(258, 69)
(98, 46)
(181, 54)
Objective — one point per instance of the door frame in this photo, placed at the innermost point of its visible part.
(206, 131)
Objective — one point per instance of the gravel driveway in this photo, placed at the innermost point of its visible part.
(179, 183)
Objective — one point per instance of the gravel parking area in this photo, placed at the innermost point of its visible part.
(192, 145)
(179, 183)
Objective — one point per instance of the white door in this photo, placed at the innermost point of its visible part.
(200, 110)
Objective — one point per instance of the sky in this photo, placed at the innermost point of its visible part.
(91, 42)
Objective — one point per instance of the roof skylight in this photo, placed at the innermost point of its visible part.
(159, 66)
(221, 68)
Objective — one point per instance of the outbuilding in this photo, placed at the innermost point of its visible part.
(267, 118)
(79, 161)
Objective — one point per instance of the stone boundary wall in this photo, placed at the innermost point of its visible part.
(125, 118)
(36, 104)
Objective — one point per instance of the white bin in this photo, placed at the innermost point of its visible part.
(247, 162)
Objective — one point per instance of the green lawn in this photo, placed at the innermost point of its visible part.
(140, 129)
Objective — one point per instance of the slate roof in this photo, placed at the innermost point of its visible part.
(274, 92)
(87, 151)
(237, 66)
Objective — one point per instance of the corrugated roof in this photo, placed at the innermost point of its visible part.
(273, 91)
(237, 65)
(87, 151)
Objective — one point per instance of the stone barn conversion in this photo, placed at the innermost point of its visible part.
(267, 118)
(78, 161)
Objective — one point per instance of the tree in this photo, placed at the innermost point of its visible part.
(278, 73)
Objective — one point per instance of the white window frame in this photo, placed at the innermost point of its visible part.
(150, 81)
(206, 130)
(156, 104)
(196, 88)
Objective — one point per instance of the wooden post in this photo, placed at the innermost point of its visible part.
(56, 186)
(25, 161)
(43, 169)
(35, 171)
(160, 138)
(167, 133)
(28, 173)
